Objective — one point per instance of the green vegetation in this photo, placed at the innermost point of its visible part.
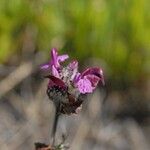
(116, 31)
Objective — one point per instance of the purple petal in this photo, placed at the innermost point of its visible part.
(54, 53)
(77, 77)
(93, 79)
(55, 72)
(54, 58)
(84, 86)
(62, 58)
(73, 65)
(94, 71)
(45, 66)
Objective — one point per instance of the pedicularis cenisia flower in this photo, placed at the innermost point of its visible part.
(67, 85)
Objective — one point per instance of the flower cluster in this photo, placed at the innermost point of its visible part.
(67, 84)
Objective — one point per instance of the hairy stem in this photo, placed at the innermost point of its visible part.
(54, 128)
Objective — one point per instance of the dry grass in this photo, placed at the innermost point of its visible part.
(26, 117)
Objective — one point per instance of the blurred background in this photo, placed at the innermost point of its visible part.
(112, 34)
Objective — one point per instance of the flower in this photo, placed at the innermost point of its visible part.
(88, 80)
(54, 64)
(67, 85)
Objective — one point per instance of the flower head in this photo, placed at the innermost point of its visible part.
(54, 64)
(67, 85)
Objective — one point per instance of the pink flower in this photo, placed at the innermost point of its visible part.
(89, 79)
(54, 64)
(67, 85)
